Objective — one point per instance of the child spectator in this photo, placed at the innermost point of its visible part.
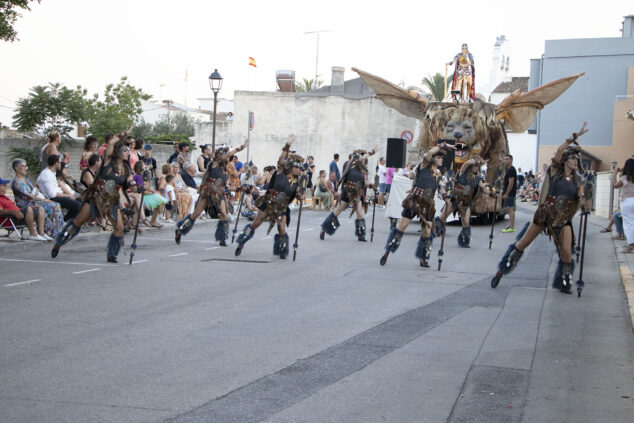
(170, 196)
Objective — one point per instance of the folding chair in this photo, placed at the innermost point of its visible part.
(7, 223)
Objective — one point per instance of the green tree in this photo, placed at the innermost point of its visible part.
(307, 85)
(52, 107)
(436, 85)
(120, 107)
(8, 16)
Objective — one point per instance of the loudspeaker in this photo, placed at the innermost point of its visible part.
(396, 153)
(448, 159)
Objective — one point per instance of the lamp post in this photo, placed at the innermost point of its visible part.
(612, 187)
(215, 83)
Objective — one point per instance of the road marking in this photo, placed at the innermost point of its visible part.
(179, 254)
(267, 237)
(172, 239)
(22, 283)
(212, 248)
(85, 271)
(60, 262)
(140, 261)
(306, 230)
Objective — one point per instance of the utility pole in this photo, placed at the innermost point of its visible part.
(317, 54)
(168, 103)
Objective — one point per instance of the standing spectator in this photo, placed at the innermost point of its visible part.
(510, 190)
(309, 168)
(238, 164)
(133, 157)
(389, 176)
(27, 214)
(174, 155)
(331, 186)
(88, 175)
(334, 168)
(345, 165)
(183, 154)
(170, 196)
(626, 198)
(108, 140)
(47, 182)
(149, 163)
(381, 170)
(204, 158)
(322, 192)
(90, 148)
(27, 195)
(54, 139)
(520, 178)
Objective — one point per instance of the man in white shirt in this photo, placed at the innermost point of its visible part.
(47, 183)
(381, 170)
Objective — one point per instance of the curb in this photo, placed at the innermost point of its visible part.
(628, 280)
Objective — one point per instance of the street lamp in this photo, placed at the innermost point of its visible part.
(215, 83)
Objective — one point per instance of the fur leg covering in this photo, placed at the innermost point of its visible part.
(247, 234)
(563, 275)
(393, 240)
(283, 246)
(512, 254)
(439, 226)
(359, 228)
(423, 249)
(114, 245)
(222, 230)
(330, 224)
(464, 238)
(185, 224)
(69, 232)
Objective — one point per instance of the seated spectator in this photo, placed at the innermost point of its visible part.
(25, 215)
(188, 174)
(47, 182)
(109, 139)
(26, 194)
(151, 199)
(331, 186)
(322, 192)
(88, 174)
(172, 158)
(183, 154)
(90, 148)
(62, 178)
(617, 220)
(185, 201)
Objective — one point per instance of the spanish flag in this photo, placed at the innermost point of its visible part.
(252, 62)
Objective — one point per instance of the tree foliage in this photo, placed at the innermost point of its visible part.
(179, 126)
(121, 105)
(436, 85)
(307, 85)
(9, 15)
(52, 107)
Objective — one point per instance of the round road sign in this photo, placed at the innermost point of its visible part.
(407, 136)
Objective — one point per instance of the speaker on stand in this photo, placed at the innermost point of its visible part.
(396, 153)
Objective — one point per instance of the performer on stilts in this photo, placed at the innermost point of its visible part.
(420, 202)
(469, 183)
(102, 199)
(273, 205)
(212, 191)
(561, 196)
(354, 182)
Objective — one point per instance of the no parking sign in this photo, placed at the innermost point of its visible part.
(407, 136)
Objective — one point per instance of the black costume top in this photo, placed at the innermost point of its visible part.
(426, 179)
(282, 184)
(107, 173)
(560, 186)
(464, 180)
(216, 172)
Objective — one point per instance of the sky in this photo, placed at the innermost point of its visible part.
(156, 43)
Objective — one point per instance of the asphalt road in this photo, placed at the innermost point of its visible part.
(190, 333)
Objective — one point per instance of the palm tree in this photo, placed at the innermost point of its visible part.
(436, 85)
(307, 85)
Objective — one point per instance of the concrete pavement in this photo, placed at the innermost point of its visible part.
(189, 334)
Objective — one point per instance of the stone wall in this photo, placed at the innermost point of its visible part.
(322, 125)
(10, 139)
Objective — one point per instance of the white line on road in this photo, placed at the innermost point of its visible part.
(267, 237)
(85, 271)
(306, 230)
(140, 261)
(59, 262)
(211, 248)
(172, 239)
(179, 254)
(22, 283)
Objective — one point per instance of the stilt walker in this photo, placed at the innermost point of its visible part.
(213, 190)
(440, 225)
(273, 206)
(103, 199)
(420, 202)
(354, 185)
(561, 196)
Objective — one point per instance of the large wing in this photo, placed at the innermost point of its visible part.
(518, 110)
(408, 102)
